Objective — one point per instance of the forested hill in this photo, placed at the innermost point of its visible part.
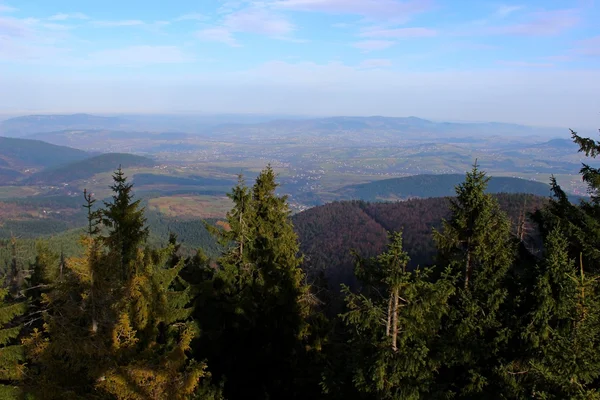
(328, 233)
(424, 186)
(25, 153)
(89, 167)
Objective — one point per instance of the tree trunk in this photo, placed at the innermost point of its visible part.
(468, 264)
(395, 321)
(389, 317)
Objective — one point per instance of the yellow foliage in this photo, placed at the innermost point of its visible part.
(124, 334)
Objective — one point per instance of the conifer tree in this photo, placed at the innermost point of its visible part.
(475, 243)
(393, 326)
(562, 354)
(259, 303)
(12, 356)
(119, 325)
(126, 221)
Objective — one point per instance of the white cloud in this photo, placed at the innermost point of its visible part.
(66, 16)
(505, 10)
(375, 63)
(373, 45)
(217, 34)
(398, 33)
(191, 17)
(128, 22)
(258, 21)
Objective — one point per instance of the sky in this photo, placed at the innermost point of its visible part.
(534, 62)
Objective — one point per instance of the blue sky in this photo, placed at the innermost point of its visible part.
(534, 62)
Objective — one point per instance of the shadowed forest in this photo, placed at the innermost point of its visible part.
(477, 296)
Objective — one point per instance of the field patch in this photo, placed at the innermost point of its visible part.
(184, 206)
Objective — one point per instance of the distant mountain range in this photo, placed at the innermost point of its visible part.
(36, 124)
(31, 124)
(424, 186)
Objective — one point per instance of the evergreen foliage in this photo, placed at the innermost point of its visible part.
(394, 325)
(476, 245)
(12, 356)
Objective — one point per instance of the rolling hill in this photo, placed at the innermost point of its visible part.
(328, 233)
(26, 153)
(87, 168)
(424, 186)
(30, 124)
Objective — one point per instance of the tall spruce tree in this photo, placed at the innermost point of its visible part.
(258, 302)
(393, 326)
(12, 356)
(126, 221)
(475, 243)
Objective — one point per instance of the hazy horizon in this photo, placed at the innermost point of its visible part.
(533, 63)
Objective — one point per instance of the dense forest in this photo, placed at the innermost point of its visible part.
(495, 312)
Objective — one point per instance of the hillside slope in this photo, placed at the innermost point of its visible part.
(425, 186)
(87, 168)
(27, 153)
(328, 233)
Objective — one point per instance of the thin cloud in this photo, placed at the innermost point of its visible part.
(6, 9)
(14, 27)
(128, 22)
(544, 23)
(258, 21)
(191, 17)
(504, 11)
(399, 11)
(67, 16)
(217, 34)
(588, 47)
(373, 45)
(525, 64)
(398, 33)
(375, 63)
(138, 55)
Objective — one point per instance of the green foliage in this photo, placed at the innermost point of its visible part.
(11, 352)
(393, 326)
(476, 245)
(125, 221)
(116, 320)
(258, 306)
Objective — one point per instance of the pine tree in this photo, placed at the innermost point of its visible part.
(126, 221)
(476, 244)
(258, 308)
(393, 326)
(561, 357)
(12, 356)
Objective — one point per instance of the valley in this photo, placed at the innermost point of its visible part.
(182, 168)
